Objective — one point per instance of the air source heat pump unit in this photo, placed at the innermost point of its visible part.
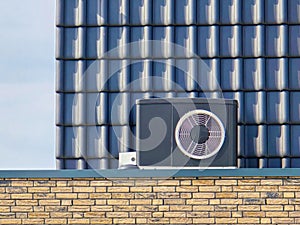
(186, 133)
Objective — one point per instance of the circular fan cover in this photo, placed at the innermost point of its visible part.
(199, 134)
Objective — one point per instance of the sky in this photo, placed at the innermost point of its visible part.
(27, 92)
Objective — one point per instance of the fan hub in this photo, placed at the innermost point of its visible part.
(199, 134)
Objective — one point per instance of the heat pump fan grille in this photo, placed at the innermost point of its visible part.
(199, 134)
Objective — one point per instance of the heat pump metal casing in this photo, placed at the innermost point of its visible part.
(165, 152)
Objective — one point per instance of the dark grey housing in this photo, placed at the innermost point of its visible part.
(165, 152)
(251, 48)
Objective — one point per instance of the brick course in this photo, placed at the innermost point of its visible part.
(203, 200)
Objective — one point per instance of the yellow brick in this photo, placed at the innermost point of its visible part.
(203, 182)
(124, 208)
(7, 215)
(83, 195)
(244, 188)
(174, 214)
(101, 189)
(289, 188)
(141, 220)
(122, 195)
(231, 201)
(186, 195)
(219, 214)
(118, 189)
(203, 220)
(180, 208)
(56, 208)
(4, 196)
(123, 182)
(105, 183)
(248, 220)
(226, 195)
(225, 207)
(101, 201)
(147, 208)
(294, 214)
(226, 188)
(226, 220)
(14, 190)
(24, 202)
(61, 183)
(168, 182)
(81, 208)
(248, 194)
(176, 201)
(185, 182)
(21, 196)
(101, 221)
(164, 189)
(44, 183)
(203, 208)
(79, 183)
(283, 220)
(276, 214)
(226, 182)
(289, 208)
(5, 209)
(10, 221)
(61, 214)
(94, 214)
(101, 208)
(117, 202)
(140, 214)
(38, 189)
(49, 202)
(254, 214)
(168, 195)
(214, 201)
(38, 208)
(56, 221)
(266, 188)
(32, 221)
(146, 182)
(187, 189)
(181, 220)
(24, 183)
(66, 202)
(196, 201)
(271, 182)
(140, 201)
(38, 215)
(84, 189)
(158, 221)
(163, 208)
(145, 195)
(44, 196)
(78, 221)
(277, 201)
(61, 189)
(265, 220)
(157, 201)
(21, 209)
(123, 220)
(197, 214)
(249, 207)
(271, 207)
(290, 195)
(83, 202)
(66, 195)
(100, 195)
(141, 189)
(117, 214)
(209, 188)
(157, 214)
(236, 214)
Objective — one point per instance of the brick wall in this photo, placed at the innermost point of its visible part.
(203, 200)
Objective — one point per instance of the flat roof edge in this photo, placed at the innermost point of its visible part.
(153, 173)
